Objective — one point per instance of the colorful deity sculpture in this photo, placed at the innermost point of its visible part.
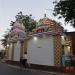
(47, 25)
(17, 32)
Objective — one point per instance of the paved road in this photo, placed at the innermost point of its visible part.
(7, 70)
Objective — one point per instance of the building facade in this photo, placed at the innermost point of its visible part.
(44, 44)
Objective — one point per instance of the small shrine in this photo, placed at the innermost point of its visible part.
(16, 42)
(44, 44)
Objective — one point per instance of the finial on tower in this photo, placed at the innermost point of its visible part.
(45, 14)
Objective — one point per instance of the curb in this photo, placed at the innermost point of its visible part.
(33, 70)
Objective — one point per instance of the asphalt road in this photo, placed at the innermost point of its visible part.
(11, 70)
(8, 70)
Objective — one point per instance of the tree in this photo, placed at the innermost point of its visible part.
(27, 21)
(66, 9)
(4, 40)
(12, 23)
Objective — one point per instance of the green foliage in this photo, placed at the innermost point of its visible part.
(12, 23)
(4, 40)
(27, 21)
(66, 9)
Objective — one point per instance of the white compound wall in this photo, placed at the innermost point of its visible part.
(40, 51)
(16, 52)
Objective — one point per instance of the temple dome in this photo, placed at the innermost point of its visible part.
(46, 20)
(46, 24)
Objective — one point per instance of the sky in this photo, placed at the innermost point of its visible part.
(10, 8)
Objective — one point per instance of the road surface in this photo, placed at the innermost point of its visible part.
(8, 70)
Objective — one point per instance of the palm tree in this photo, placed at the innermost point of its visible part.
(4, 40)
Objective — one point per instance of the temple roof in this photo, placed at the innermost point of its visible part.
(17, 29)
(45, 20)
(18, 25)
(46, 24)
